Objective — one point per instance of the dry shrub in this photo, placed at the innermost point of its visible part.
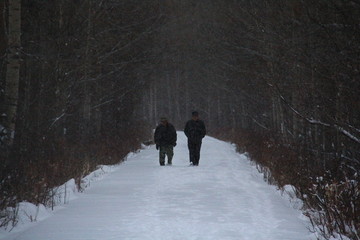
(279, 163)
(54, 160)
(334, 207)
(332, 198)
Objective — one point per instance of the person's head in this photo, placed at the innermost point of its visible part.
(195, 115)
(163, 120)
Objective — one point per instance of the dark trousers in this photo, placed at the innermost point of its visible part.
(194, 151)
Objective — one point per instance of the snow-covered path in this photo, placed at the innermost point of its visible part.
(223, 198)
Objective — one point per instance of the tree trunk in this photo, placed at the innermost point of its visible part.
(2, 29)
(13, 65)
(178, 103)
(86, 108)
(169, 93)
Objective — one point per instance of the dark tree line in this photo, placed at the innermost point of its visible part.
(278, 77)
(71, 74)
(303, 72)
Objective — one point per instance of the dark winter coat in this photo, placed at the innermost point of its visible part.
(195, 131)
(165, 135)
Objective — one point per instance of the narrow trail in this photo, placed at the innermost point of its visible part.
(223, 198)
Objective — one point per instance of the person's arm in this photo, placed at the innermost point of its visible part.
(174, 136)
(157, 137)
(186, 130)
(203, 129)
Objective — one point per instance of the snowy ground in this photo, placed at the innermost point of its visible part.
(223, 198)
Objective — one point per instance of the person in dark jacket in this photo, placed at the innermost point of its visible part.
(195, 131)
(165, 139)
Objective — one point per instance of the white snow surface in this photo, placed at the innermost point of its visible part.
(223, 198)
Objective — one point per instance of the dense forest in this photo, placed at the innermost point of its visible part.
(84, 82)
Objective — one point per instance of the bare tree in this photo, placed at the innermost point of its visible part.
(13, 65)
